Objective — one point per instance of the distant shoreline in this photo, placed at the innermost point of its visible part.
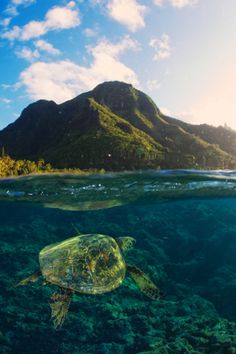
(82, 173)
(12, 169)
(87, 173)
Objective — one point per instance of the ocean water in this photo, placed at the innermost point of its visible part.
(184, 223)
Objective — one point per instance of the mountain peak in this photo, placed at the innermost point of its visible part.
(106, 85)
(114, 92)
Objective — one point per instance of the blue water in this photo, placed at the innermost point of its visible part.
(184, 223)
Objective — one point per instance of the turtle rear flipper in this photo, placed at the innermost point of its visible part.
(31, 279)
(144, 283)
(60, 305)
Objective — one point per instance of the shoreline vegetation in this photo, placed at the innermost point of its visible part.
(10, 167)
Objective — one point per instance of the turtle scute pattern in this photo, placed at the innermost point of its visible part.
(89, 264)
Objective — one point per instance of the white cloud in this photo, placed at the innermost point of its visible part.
(5, 100)
(12, 7)
(57, 18)
(55, 81)
(12, 34)
(90, 32)
(5, 86)
(97, 2)
(14, 87)
(161, 47)
(61, 18)
(188, 116)
(41, 46)
(128, 12)
(28, 54)
(71, 4)
(5, 22)
(183, 3)
(46, 47)
(165, 111)
(106, 48)
(176, 3)
(32, 29)
(64, 79)
(153, 85)
(22, 2)
(158, 2)
(11, 10)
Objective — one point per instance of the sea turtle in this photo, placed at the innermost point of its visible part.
(89, 264)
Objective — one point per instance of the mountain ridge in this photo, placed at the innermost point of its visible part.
(116, 127)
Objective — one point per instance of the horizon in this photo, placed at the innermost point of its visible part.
(60, 49)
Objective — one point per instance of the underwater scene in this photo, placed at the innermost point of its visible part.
(184, 225)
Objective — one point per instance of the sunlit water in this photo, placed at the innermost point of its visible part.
(185, 226)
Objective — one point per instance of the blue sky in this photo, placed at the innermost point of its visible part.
(180, 52)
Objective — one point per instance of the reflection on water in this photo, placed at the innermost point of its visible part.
(185, 226)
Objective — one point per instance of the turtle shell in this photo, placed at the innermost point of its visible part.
(91, 264)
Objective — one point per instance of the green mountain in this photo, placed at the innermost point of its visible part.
(115, 127)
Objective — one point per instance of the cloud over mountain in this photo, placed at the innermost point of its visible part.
(61, 80)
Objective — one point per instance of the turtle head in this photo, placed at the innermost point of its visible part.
(125, 243)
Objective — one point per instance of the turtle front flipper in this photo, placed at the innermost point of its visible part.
(31, 279)
(60, 305)
(144, 283)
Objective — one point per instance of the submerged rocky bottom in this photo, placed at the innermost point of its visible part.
(187, 247)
